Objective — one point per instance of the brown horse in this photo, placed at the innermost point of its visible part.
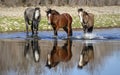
(59, 54)
(87, 20)
(86, 55)
(58, 20)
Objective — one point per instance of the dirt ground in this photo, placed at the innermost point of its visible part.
(18, 11)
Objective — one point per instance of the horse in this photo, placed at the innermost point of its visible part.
(34, 45)
(87, 20)
(32, 17)
(57, 20)
(59, 54)
(86, 55)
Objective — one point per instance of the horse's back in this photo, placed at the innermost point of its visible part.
(91, 19)
(63, 54)
(67, 16)
(65, 19)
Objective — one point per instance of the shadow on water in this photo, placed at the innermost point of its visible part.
(21, 55)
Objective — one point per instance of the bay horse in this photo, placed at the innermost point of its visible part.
(32, 17)
(32, 44)
(59, 54)
(87, 20)
(86, 55)
(57, 20)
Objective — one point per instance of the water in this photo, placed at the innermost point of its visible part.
(75, 56)
(98, 34)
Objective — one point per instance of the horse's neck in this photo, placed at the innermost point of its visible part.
(85, 18)
(55, 19)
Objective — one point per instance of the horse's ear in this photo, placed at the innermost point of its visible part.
(85, 12)
(48, 10)
(37, 8)
(80, 9)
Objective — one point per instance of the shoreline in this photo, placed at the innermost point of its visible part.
(74, 29)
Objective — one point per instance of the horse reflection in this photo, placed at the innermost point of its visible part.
(59, 54)
(32, 44)
(86, 55)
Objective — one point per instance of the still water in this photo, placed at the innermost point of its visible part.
(45, 55)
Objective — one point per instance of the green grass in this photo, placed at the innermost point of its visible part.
(18, 24)
(111, 20)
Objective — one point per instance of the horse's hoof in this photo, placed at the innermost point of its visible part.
(54, 36)
(69, 37)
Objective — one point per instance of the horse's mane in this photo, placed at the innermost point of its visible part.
(85, 12)
(80, 9)
(55, 12)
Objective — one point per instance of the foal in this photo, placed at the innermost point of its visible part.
(58, 20)
(32, 17)
(87, 20)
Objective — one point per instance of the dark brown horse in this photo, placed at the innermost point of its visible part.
(87, 20)
(58, 20)
(86, 55)
(59, 54)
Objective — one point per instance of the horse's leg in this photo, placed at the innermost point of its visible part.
(55, 31)
(69, 30)
(27, 24)
(32, 28)
(27, 29)
(65, 29)
(36, 30)
(85, 28)
(90, 29)
(37, 26)
(69, 46)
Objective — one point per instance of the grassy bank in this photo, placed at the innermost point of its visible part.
(18, 24)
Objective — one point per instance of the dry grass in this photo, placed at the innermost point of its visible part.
(18, 11)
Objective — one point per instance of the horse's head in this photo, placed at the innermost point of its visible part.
(86, 55)
(50, 62)
(37, 13)
(80, 14)
(50, 15)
